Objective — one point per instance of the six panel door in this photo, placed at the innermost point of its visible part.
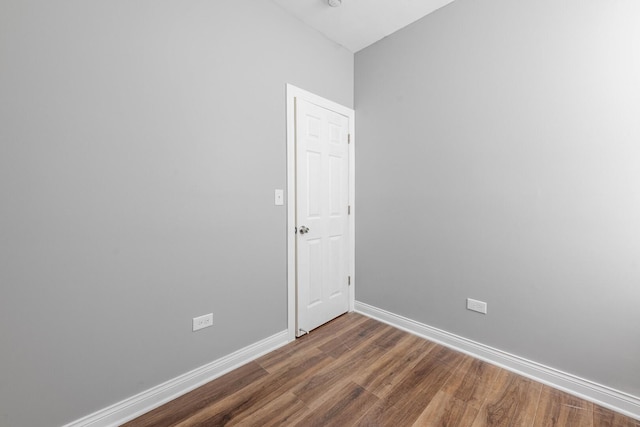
(322, 183)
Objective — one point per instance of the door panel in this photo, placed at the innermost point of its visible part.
(314, 276)
(314, 184)
(322, 183)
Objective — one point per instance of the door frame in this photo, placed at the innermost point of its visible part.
(294, 93)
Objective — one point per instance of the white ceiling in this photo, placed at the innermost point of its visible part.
(358, 23)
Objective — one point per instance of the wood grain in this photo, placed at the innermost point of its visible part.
(603, 417)
(188, 404)
(342, 408)
(383, 374)
(356, 371)
(557, 408)
(286, 409)
(447, 411)
(509, 402)
(471, 382)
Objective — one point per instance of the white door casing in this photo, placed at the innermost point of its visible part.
(320, 178)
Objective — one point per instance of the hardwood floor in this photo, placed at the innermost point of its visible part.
(356, 371)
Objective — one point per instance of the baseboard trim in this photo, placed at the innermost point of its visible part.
(144, 402)
(616, 400)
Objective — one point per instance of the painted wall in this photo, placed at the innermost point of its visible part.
(140, 144)
(498, 158)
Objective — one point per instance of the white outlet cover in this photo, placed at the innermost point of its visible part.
(475, 305)
(202, 322)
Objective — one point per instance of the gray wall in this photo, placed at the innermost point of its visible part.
(140, 144)
(498, 158)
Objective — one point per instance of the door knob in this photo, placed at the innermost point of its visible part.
(304, 230)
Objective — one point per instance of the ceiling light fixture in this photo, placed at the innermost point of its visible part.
(335, 3)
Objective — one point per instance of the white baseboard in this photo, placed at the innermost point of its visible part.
(142, 403)
(615, 400)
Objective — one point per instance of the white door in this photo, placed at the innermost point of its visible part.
(322, 209)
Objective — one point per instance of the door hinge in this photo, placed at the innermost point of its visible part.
(348, 138)
(349, 210)
(349, 280)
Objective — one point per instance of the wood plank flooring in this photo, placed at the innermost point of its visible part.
(356, 371)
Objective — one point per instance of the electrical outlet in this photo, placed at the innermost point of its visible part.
(475, 305)
(202, 322)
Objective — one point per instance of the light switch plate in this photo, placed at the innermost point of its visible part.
(279, 197)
